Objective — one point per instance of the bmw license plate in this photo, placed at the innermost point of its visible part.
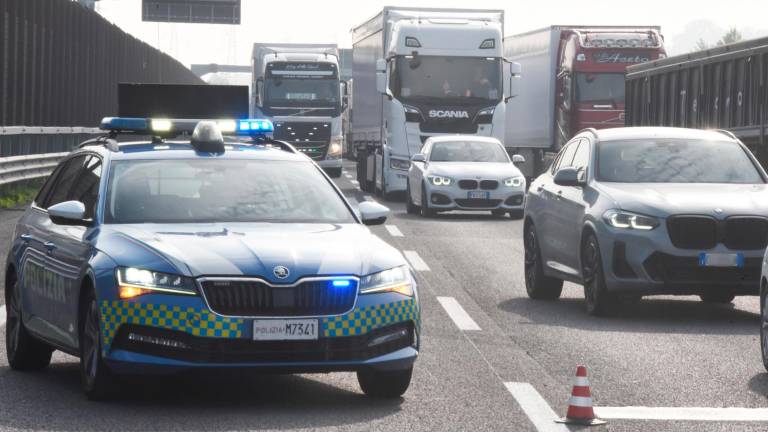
(285, 329)
(478, 195)
(721, 260)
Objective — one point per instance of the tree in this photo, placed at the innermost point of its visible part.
(733, 35)
(701, 45)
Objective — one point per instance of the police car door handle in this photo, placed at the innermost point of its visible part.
(26, 238)
(50, 246)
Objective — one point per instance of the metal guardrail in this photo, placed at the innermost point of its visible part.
(30, 152)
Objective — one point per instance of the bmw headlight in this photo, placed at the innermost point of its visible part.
(334, 150)
(514, 181)
(440, 180)
(396, 279)
(133, 282)
(399, 164)
(627, 220)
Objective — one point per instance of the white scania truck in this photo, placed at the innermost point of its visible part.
(298, 87)
(420, 73)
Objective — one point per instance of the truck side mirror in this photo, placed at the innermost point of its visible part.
(381, 82)
(258, 90)
(513, 89)
(344, 95)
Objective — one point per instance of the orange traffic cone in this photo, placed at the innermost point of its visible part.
(580, 410)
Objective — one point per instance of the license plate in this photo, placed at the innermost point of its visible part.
(721, 260)
(478, 195)
(285, 329)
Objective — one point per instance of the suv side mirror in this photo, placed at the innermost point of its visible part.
(518, 159)
(68, 213)
(569, 176)
(418, 157)
(373, 213)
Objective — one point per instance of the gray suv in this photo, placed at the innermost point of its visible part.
(643, 211)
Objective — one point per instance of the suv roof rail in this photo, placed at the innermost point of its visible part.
(727, 133)
(104, 140)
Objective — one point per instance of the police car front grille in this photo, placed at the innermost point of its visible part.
(256, 298)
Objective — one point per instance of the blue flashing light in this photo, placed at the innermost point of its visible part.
(341, 283)
(254, 126)
(124, 124)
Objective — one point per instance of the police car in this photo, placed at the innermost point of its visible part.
(199, 251)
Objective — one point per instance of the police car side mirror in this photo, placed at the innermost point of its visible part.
(373, 213)
(68, 213)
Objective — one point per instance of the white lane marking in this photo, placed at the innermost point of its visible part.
(683, 413)
(535, 407)
(394, 231)
(369, 198)
(2, 315)
(417, 263)
(348, 176)
(457, 313)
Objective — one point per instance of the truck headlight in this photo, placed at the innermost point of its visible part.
(440, 180)
(133, 282)
(399, 164)
(514, 182)
(396, 279)
(335, 148)
(627, 220)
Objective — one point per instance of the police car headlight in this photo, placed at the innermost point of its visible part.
(514, 181)
(133, 282)
(440, 180)
(334, 150)
(396, 279)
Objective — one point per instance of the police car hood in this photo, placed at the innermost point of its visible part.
(253, 249)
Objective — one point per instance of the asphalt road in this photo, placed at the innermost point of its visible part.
(662, 352)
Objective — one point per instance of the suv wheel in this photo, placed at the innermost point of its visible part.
(384, 384)
(425, 210)
(596, 296)
(410, 207)
(764, 325)
(25, 353)
(537, 284)
(717, 297)
(95, 376)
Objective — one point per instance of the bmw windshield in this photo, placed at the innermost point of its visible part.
(676, 161)
(447, 78)
(467, 151)
(205, 190)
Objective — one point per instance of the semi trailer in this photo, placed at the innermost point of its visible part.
(298, 87)
(420, 73)
(574, 80)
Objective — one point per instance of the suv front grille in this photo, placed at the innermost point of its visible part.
(489, 184)
(702, 232)
(693, 232)
(256, 298)
(468, 184)
(743, 232)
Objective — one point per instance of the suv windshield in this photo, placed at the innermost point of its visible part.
(467, 151)
(459, 78)
(600, 87)
(204, 190)
(675, 161)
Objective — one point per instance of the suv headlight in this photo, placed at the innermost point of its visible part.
(396, 279)
(514, 181)
(627, 220)
(133, 282)
(440, 180)
(334, 149)
(399, 164)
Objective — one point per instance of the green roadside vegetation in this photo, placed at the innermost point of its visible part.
(16, 194)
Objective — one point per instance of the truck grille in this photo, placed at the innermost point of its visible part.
(705, 232)
(310, 138)
(257, 298)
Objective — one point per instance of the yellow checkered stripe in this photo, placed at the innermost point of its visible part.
(362, 320)
(194, 321)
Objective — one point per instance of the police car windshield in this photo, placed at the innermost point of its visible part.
(205, 190)
(467, 151)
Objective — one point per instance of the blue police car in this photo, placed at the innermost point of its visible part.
(195, 251)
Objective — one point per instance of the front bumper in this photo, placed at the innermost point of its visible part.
(171, 333)
(648, 263)
(454, 198)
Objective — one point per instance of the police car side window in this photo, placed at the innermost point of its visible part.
(65, 180)
(42, 195)
(86, 187)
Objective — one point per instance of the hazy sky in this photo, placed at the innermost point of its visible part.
(682, 21)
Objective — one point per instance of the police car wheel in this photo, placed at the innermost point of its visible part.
(95, 377)
(334, 172)
(410, 207)
(384, 384)
(25, 353)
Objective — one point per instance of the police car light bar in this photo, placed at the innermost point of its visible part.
(166, 127)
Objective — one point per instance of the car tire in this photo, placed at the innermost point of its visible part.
(538, 285)
(597, 299)
(498, 213)
(384, 384)
(764, 325)
(719, 297)
(425, 210)
(410, 207)
(24, 352)
(516, 214)
(333, 172)
(96, 378)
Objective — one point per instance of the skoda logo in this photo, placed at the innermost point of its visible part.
(281, 272)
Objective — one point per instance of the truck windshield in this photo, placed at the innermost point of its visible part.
(675, 161)
(301, 92)
(467, 151)
(600, 87)
(205, 190)
(459, 78)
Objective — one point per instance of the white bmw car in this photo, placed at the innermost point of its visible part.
(465, 173)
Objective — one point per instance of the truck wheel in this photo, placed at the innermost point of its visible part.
(537, 284)
(719, 297)
(384, 384)
(95, 376)
(25, 353)
(333, 172)
(410, 207)
(596, 296)
(425, 210)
